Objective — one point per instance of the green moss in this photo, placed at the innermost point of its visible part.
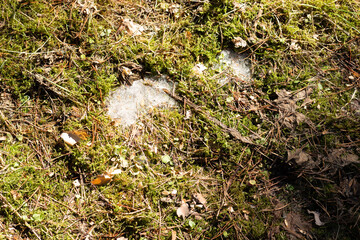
(79, 55)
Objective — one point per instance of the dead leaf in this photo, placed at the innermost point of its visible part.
(188, 35)
(173, 235)
(132, 28)
(166, 200)
(304, 94)
(199, 197)
(6, 100)
(197, 216)
(301, 158)
(16, 195)
(283, 94)
(114, 171)
(354, 186)
(307, 101)
(286, 103)
(286, 223)
(183, 211)
(121, 238)
(101, 180)
(316, 217)
(77, 113)
(300, 118)
(350, 158)
(165, 192)
(294, 45)
(300, 95)
(125, 72)
(175, 9)
(295, 224)
(341, 157)
(73, 137)
(105, 178)
(239, 42)
(86, 7)
(239, 6)
(355, 106)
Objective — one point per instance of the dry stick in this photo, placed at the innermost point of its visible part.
(12, 209)
(159, 234)
(54, 87)
(64, 205)
(7, 123)
(274, 209)
(232, 131)
(27, 199)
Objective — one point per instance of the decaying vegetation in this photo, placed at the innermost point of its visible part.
(274, 158)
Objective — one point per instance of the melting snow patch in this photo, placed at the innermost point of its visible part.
(127, 103)
(236, 63)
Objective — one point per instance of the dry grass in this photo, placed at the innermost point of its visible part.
(261, 154)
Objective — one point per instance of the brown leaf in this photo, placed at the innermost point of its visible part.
(199, 197)
(173, 235)
(301, 158)
(300, 95)
(341, 157)
(131, 28)
(106, 177)
(101, 180)
(16, 195)
(307, 101)
(183, 211)
(300, 118)
(350, 158)
(295, 224)
(73, 137)
(76, 112)
(239, 42)
(166, 200)
(355, 106)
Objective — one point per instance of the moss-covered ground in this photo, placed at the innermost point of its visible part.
(59, 60)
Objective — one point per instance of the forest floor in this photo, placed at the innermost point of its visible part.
(274, 157)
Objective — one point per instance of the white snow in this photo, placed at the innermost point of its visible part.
(127, 103)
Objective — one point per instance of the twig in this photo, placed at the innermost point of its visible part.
(352, 97)
(134, 212)
(275, 209)
(159, 234)
(27, 199)
(232, 131)
(7, 123)
(233, 175)
(54, 87)
(33, 53)
(64, 205)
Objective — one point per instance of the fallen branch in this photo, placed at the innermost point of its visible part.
(54, 87)
(7, 123)
(232, 131)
